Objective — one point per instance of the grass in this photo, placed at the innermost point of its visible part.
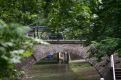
(82, 65)
(77, 67)
(83, 71)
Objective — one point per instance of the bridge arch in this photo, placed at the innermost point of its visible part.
(42, 51)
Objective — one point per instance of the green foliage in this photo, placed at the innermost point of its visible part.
(72, 18)
(19, 11)
(12, 47)
(106, 47)
(105, 27)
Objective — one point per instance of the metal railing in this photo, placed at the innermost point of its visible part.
(113, 66)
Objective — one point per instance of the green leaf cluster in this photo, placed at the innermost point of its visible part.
(72, 17)
(13, 48)
(106, 47)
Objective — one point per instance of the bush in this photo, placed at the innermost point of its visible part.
(106, 47)
(14, 44)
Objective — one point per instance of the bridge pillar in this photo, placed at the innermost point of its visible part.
(63, 57)
(66, 57)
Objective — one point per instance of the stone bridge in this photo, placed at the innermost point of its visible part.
(73, 47)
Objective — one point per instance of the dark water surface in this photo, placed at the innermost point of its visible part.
(60, 72)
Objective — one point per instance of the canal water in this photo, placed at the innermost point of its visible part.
(62, 72)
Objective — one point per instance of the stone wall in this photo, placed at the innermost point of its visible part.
(104, 67)
(26, 63)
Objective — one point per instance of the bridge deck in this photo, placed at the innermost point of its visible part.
(65, 41)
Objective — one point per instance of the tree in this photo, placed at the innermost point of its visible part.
(69, 17)
(19, 11)
(106, 28)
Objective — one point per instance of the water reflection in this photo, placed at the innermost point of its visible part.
(62, 72)
(51, 72)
